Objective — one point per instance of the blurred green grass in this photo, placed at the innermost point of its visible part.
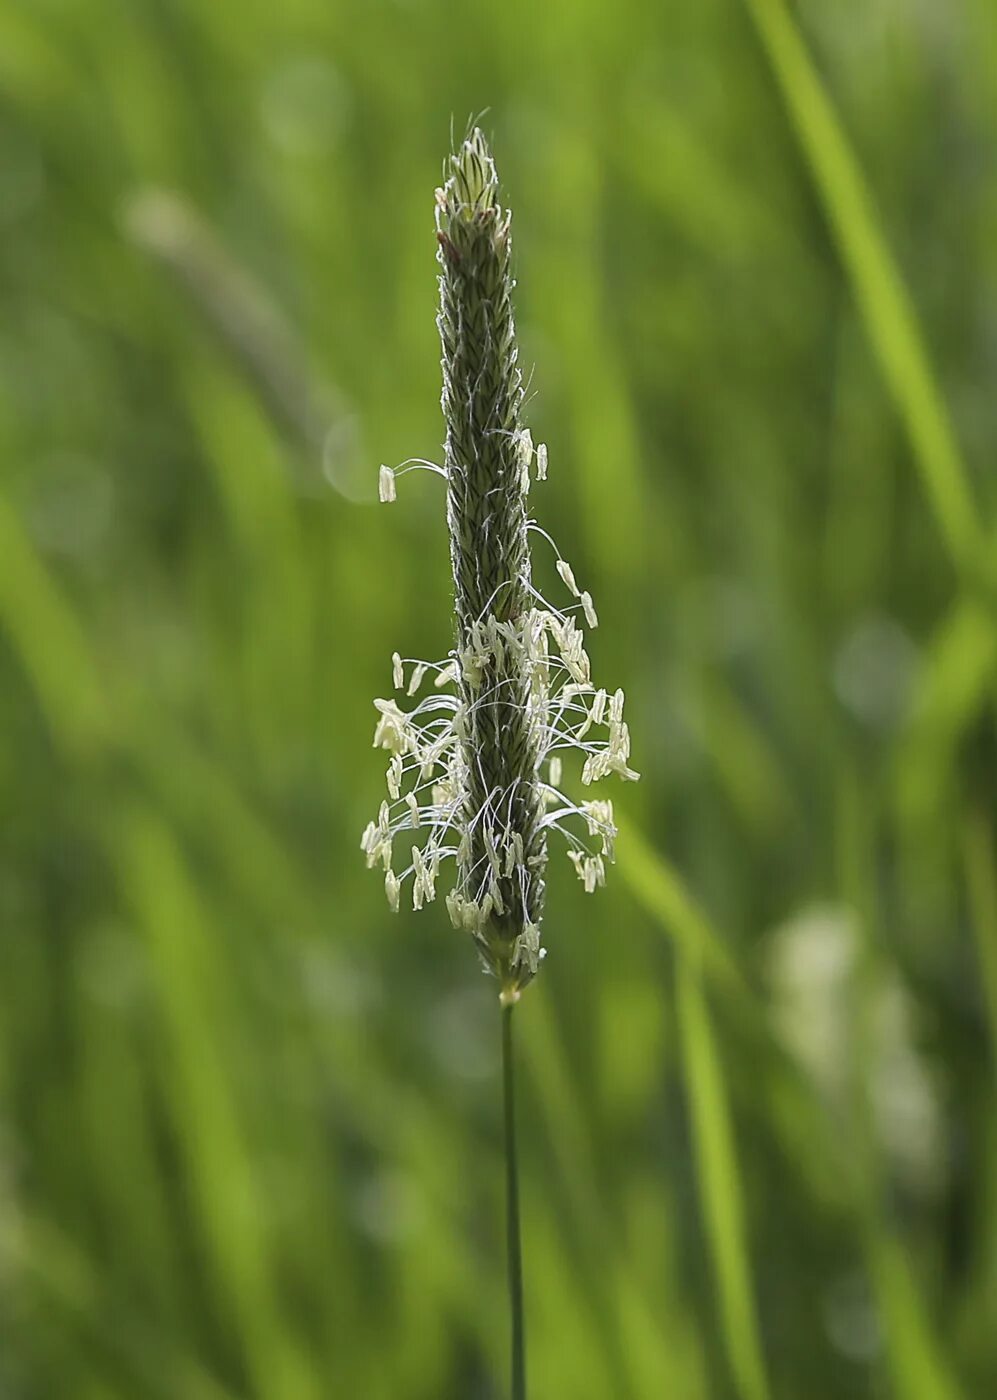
(249, 1134)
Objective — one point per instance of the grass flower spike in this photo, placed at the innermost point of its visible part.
(476, 761)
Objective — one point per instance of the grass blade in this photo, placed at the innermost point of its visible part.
(660, 891)
(882, 296)
(50, 642)
(981, 881)
(719, 1183)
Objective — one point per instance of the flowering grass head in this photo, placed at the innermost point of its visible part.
(476, 765)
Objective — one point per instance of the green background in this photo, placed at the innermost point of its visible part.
(249, 1122)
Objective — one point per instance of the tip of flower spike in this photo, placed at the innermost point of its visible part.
(473, 181)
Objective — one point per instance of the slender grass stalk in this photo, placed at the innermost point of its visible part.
(476, 763)
(514, 1245)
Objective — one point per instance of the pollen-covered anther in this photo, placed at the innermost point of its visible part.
(568, 577)
(571, 646)
(424, 884)
(525, 445)
(474, 662)
(418, 675)
(376, 840)
(599, 819)
(527, 952)
(591, 870)
(444, 793)
(394, 776)
(392, 730)
(369, 843)
(447, 676)
(386, 485)
(455, 908)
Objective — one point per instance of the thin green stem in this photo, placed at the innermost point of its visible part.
(513, 1236)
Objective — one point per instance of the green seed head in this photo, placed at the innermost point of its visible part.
(482, 764)
(506, 853)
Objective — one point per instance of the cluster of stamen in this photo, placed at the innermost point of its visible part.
(426, 776)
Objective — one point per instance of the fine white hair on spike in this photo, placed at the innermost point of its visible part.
(418, 464)
(386, 485)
